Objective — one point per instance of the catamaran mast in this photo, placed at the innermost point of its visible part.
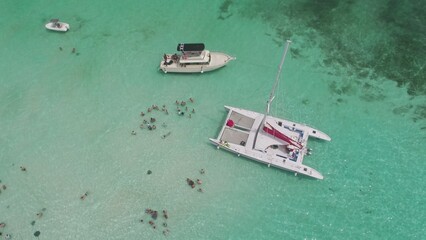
(277, 79)
(272, 95)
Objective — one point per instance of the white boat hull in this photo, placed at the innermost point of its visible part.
(63, 27)
(218, 60)
(241, 138)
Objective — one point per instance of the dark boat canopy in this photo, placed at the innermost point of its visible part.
(188, 47)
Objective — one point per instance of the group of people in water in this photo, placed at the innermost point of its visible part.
(9, 236)
(183, 104)
(150, 123)
(154, 215)
(198, 181)
(3, 225)
(74, 51)
(38, 214)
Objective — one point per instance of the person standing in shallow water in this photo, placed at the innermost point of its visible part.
(84, 195)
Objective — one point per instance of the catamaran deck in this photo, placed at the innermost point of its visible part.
(241, 120)
(235, 136)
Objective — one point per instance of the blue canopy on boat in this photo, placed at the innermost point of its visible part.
(188, 47)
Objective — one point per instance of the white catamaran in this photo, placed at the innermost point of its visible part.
(277, 142)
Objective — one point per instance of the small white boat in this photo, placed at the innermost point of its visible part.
(193, 59)
(56, 25)
(274, 141)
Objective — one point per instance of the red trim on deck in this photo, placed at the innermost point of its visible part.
(282, 136)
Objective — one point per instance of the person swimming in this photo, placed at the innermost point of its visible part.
(84, 195)
(166, 135)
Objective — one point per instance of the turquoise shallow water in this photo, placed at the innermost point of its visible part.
(67, 117)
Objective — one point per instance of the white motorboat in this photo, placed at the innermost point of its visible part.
(274, 141)
(56, 25)
(193, 58)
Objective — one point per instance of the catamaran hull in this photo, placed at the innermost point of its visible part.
(239, 139)
(296, 168)
(217, 61)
